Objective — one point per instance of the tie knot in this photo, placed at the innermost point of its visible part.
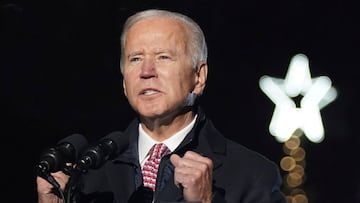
(159, 150)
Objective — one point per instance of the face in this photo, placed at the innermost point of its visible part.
(158, 73)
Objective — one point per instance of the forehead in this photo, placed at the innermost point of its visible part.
(158, 26)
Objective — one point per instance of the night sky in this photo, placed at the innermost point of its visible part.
(60, 75)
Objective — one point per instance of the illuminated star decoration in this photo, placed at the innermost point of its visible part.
(316, 92)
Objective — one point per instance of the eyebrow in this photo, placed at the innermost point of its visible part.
(134, 53)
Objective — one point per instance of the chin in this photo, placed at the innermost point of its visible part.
(150, 112)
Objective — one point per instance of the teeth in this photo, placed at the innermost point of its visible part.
(148, 92)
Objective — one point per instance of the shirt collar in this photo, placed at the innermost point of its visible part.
(146, 142)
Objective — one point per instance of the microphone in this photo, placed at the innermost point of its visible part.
(190, 99)
(106, 148)
(65, 151)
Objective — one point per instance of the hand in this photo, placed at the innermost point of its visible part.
(46, 190)
(194, 173)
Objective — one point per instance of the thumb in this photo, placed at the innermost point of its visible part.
(174, 158)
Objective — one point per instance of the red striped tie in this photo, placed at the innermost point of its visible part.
(150, 168)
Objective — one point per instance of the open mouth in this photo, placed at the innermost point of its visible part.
(149, 92)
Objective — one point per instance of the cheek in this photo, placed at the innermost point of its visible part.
(127, 84)
(184, 85)
(187, 79)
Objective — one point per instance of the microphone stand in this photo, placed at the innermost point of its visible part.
(71, 186)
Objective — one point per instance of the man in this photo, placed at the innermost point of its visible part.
(164, 67)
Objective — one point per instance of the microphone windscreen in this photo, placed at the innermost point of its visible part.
(120, 141)
(73, 145)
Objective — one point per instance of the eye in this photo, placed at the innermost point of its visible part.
(164, 57)
(135, 59)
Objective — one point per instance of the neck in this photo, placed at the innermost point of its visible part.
(162, 129)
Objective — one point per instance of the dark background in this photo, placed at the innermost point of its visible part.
(60, 75)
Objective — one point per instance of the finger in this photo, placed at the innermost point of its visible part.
(174, 158)
(61, 178)
(193, 159)
(191, 176)
(185, 173)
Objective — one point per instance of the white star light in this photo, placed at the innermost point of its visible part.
(316, 92)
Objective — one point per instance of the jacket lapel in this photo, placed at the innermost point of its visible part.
(203, 139)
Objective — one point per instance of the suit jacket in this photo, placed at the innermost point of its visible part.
(240, 175)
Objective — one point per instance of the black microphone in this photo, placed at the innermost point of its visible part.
(106, 148)
(65, 151)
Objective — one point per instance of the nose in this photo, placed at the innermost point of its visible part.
(148, 69)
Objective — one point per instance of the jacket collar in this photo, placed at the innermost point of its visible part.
(204, 138)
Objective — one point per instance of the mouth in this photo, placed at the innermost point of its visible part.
(149, 92)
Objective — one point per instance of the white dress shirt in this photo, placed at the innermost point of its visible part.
(146, 142)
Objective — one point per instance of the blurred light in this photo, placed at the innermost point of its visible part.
(300, 198)
(289, 199)
(292, 143)
(287, 117)
(287, 163)
(298, 77)
(297, 191)
(298, 154)
(294, 165)
(299, 170)
(302, 163)
(294, 179)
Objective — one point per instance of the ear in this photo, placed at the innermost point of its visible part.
(200, 78)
